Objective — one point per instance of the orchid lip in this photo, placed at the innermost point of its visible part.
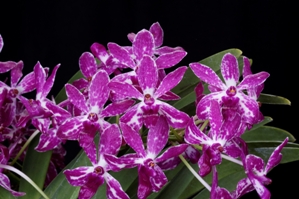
(231, 91)
(13, 92)
(93, 117)
(148, 99)
(99, 170)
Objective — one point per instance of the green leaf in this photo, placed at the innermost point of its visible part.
(262, 123)
(6, 194)
(228, 182)
(34, 161)
(62, 95)
(273, 99)
(60, 186)
(267, 133)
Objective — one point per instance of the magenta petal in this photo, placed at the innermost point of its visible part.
(147, 75)
(143, 44)
(246, 67)
(7, 66)
(276, 156)
(260, 189)
(254, 164)
(5, 183)
(133, 117)
(166, 49)
(76, 98)
(125, 90)
(80, 83)
(170, 81)
(244, 186)
(193, 135)
(157, 137)
(121, 54)
(252, 81)
(48, 141)
(175, 118)
(78, 176)
(49, 82)
(98, 91)
(248, 109)
(110, 140)
(27, 84)
(87, 64)
(16, 74)
(230, 69)
(133, 139)
(159, 180)
(170, 163)
(158, 33)
(144, 185)
(168, 60)
(70, 128)
(114, 189)
(127, 161)
(91, 186)
(59, 113)
(206, 74)
(169, 96)
(203, 107)
(99, 51)
(117, 108)
(40, 78)
(215, 117)
(171, 152)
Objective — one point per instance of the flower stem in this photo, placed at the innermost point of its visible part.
(200, 179)
(234, 160)
(24, 147)
(25, 177)
(204, 125)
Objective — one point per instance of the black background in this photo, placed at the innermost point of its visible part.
(55, 32)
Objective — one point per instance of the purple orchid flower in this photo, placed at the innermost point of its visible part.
(84, 126)
(229, 95)
(149, 108)
(4, 180)
(90, 178)
(256, 171)
(220, 134)
(151, 176)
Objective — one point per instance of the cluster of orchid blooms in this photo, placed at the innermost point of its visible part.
(137, 100)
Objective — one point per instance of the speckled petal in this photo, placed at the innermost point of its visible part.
(193, 135)
(99, 51)
(87, 64)
(168, 60)
(5, 183)
(170, 81)
(157, 137)
(133, 139)
(110, 140)
(70, 128)
(7, 66)
(147, 75)
(76, 98)
(78, 176)
(143, 44)
(49, 82)
(248, 109)
(133, 117)
(98, 91)
(230, 70)
(114, 189)
(158, 33)
(117, 108)
(206, 74)
(252, 81)
(171, 152)
(121, 54)
(175, 118)
(16, 74)
(125, 90)
(167, 49)
(27, 84)
(1, 43)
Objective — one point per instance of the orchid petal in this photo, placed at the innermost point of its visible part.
(133, 139)
(246, 67)
(1, 43)
(121, 54)
(169, 96)
(170, 81)
(147, 75)
(48, 141)
(27, 84)
(117, 108)
(7, 66)
(76, 98)
(78, 176)
(5, 183)
(230, 70)
(144, 185)
(70, 128)
(206, 74)
(168, 60)
(157, 137)
(194, 135)
(16, 74)
(158, 33)
(248, 109)
(40, 78)
(133, 117)
(114, 189)
(99, 51)
(49, 82)
(203, 107)
(87, 64)
(171, 152)
(175, 118)
(98, 91)
(252, 81)
(127, 161)
(125, 90)
(110, 140)
(143, 44)
(166, 49)
(159, 180)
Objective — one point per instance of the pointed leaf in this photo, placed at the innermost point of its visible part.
(273, 99)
